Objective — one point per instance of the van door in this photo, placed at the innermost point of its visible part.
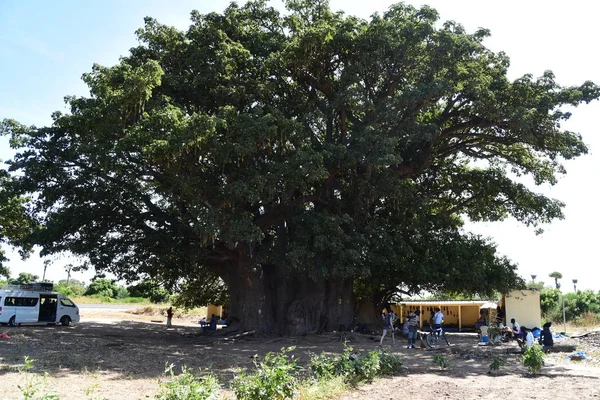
(27, 307)
(48, 305)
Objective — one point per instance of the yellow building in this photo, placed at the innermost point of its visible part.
(522, 305)
(458, 315)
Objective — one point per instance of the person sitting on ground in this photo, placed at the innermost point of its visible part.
(546, 338)
(528, 337)
(516, 329)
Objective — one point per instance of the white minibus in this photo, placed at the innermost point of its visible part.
(35, 304)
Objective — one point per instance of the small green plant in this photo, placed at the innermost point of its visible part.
(92, 392)
(389, 364)
(35, 387)
(441, 361)
(28, 364)
(366, 367)
(275, 378)
(322, 366)
(187, 386)
(533, 358)
(497, 362)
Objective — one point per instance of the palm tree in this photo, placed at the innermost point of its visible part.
(575, 285)
(556, 276)
(533, 278)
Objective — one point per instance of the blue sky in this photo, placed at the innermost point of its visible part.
(47, 46)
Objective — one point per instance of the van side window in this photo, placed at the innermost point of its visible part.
(67, 303)
(21, 301)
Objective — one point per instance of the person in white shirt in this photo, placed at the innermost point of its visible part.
(438, 318)
(516, 329)
(528, 337)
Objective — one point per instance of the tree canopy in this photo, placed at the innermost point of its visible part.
(289, 157)
(15, 224)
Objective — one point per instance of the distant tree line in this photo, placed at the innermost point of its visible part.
(580, 305)
(100, 288)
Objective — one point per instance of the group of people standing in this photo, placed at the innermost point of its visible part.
(410, 326)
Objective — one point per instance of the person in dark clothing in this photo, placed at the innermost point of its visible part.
(213, 323)
(546, 338)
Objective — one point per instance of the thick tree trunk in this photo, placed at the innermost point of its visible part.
(271, 302)
(367, 313)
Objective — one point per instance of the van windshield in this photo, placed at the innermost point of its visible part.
(67, 303)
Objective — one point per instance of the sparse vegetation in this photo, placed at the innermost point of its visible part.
(275, 378)
(35, 387)
(533, 359)
(441, 361)
(188, 386)
(497, 362)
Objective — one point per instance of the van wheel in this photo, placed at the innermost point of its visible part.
(65, 321)
(12, 321)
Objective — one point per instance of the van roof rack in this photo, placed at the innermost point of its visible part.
(37, 287)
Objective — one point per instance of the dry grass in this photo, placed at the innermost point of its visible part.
(148, 310)
(588, 319)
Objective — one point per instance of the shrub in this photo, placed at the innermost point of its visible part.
(533, 358)
(366, 367)
(497, 363)
(34, 386)
(389, 364)
(150, 290)
(102, 287)
(322, 366)
(354, 367)
(275, 378)
(441, 361)
(187, 386)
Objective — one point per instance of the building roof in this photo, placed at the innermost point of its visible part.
(443, 302)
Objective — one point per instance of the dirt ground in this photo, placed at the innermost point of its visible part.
(119, 355)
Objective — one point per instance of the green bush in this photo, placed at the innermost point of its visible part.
(354, 367)
(366, 367)
(75, 288)
(389, 364)
(187, 386)
(497, 363)
(102, 287)
(322, 366)
(441, 361)
(134, 300)
(275, 378)
(533, 358)
(150, 290)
